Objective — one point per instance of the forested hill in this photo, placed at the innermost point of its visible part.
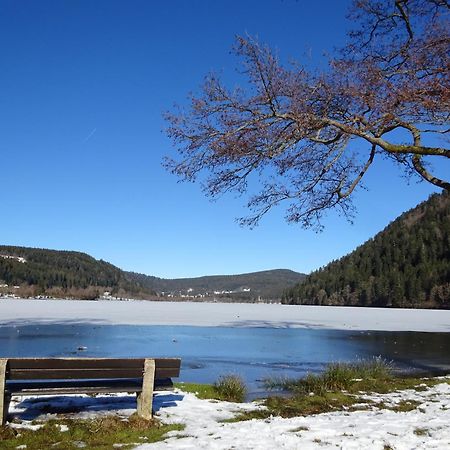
(61, 273)
(405, 265)
(267, 284)
(29, 272)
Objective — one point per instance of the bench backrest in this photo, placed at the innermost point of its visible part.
(87, 368)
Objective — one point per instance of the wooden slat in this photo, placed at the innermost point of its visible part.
(85, 390)
(78, 390)
(89, 363)
(74, 363)
(166, 373)
(87, 387)
(15, 386)
(85, 368)
(71, 374)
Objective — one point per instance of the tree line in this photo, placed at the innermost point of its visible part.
(405, 265)
(63, 273)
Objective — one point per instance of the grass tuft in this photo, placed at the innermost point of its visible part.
(231, 388)
(405, 406)
(337, 376)
(421, 432)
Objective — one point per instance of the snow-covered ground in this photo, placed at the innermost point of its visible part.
(24, 312)
(425, 427)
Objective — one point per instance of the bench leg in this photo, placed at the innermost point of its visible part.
(4, 398)
(145, 398)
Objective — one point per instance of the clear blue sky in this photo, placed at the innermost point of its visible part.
(83, 87)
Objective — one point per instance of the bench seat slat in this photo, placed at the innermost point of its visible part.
(87, 387)
(73, 391)
(88, 391)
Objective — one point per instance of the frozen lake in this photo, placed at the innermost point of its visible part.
(17, 312)
(253, 340)
(208, 352)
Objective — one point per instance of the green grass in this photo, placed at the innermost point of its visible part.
(339, 387)
(299, 405)
(202, 391)
(337, 376)
(93, 434)
(228, 387)
(231, 388)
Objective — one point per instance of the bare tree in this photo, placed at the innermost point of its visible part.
(292, 128)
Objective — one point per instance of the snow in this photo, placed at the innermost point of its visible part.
(425, 427)
(24, 312)
(30, 408)
(373, 429)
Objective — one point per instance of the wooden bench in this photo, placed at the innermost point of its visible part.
(57, 376)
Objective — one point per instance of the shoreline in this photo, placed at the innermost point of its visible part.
(14, 312)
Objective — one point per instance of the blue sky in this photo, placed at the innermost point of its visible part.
(84, 85)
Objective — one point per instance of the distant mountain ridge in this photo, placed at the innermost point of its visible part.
(405, 265)
(268, 284)
(33, 272)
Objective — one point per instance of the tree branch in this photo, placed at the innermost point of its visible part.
(291, 127)
(420, 169)
(360, 175)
